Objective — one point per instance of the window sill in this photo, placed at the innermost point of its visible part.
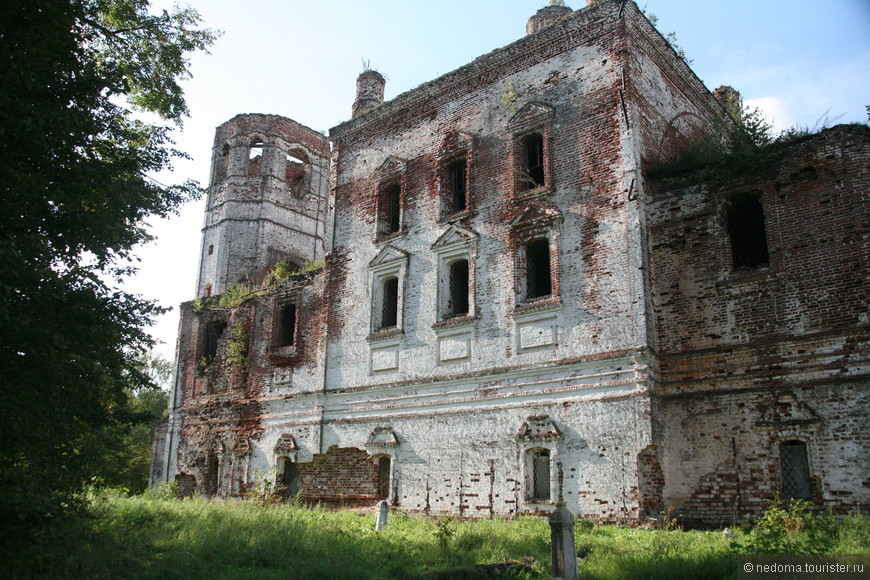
(528, 194)
(464, 320)
(283, 354)
(384, 238)
(543, 304)
(385, 334)
(457, 216)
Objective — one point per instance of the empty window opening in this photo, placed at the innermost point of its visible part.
(297, 163)
(795, 467)
(210, 249)
(533, 160)
(213, 332)
(538, 279)
(290, 479)
(288, 325)
(390, 209)
(212, 469)
(255, 158)
(456, 177)
(541, 474)
(390, 303)
(458, 305)
(384, 477)
(222, 163)
(747, 232)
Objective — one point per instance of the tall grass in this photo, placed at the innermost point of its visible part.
(152, 537)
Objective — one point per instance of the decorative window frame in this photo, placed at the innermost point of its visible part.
(457, 243)
(533, 117)
(390, 262)
(383, 442)
(539, 433)
(390, 173)
(533, 223)
(456, 145)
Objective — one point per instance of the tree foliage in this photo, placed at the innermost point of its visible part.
(74, 193)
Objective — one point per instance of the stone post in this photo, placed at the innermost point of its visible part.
(562, 548)
(381, 515)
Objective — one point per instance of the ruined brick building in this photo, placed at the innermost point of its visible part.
(513, 311)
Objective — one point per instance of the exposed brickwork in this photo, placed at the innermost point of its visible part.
(654, 375)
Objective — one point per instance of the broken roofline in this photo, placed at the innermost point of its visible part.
(486, 69)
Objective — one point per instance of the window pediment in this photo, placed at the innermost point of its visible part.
(530, 116)
(391, 167)
(533, 215)
(388, 255)
(455, 142)
(455, 235)
(539, 429)
(382, 437)
(285, 445)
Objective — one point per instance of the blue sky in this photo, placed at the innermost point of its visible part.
(799, 60)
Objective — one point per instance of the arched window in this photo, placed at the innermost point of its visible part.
(795, 468)
(538, 276)
(458, 305)
(255, 158)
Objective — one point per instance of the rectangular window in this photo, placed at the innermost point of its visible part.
(541, 474)
(795, 467)
(213, 332)
(538, 279)
(390, 303)
(458, 305)
(389, 210)
(288, 325)
(533, 161)
(457, 185)
(745, 223)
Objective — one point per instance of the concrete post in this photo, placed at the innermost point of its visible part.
(562, 548)
(381, 515)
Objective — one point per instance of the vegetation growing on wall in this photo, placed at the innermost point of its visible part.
(238, 293)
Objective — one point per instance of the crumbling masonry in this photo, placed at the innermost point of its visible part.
(512, 310)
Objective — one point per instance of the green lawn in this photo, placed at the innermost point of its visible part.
(149, 537)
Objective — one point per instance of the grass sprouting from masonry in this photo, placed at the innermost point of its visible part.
(154, 537)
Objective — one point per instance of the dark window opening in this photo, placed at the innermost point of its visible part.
(288, 325)
(541, 474)
(456, 174)
(795, 468)
(222, 163)
(458, 305)
(538, 280)
(747, 232)
(390, 210)
(210, 249)
(290, 479)
(390, 303)
(533, 160)
(212, 469)
(384, 477)
(213, 332)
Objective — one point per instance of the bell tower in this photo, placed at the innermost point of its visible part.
(267, 200)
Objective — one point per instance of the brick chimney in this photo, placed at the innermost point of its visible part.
(730, 98)
(546, 16)
(369, 92)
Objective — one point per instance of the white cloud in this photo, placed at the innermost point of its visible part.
(774, 110)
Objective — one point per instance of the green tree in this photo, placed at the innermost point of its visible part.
(74, 194)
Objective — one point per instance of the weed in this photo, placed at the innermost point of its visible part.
(237, 346)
